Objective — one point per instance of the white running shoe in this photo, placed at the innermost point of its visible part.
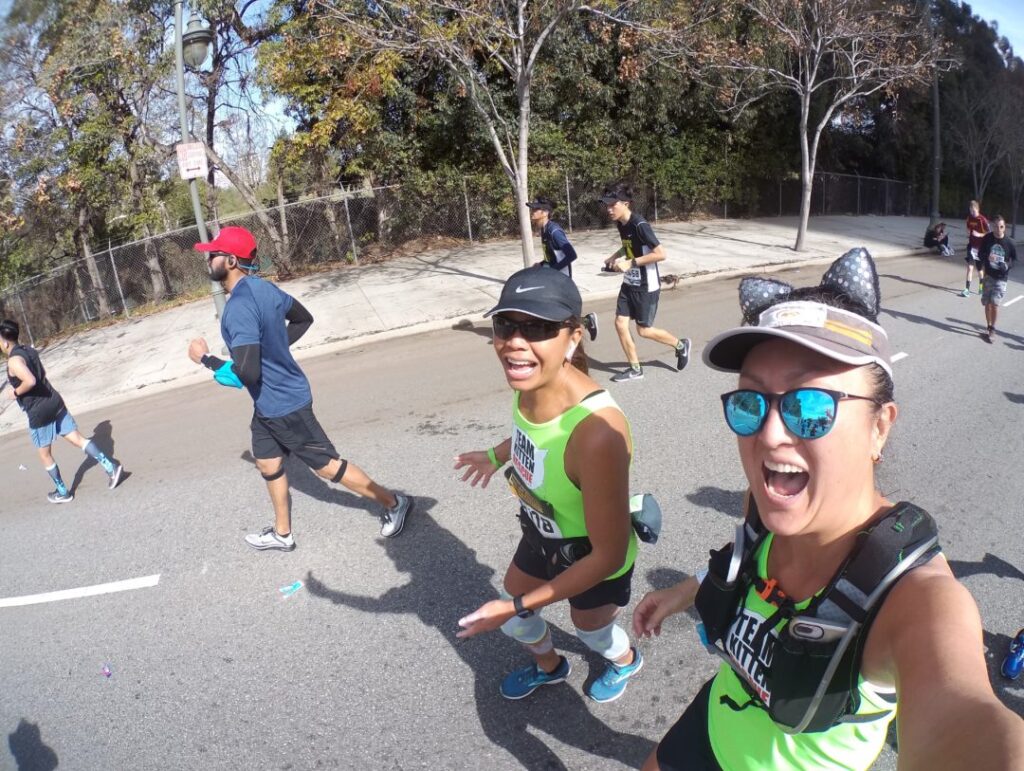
(269, 539)
(393, 519)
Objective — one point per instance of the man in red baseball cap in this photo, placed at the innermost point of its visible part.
(258, 325)
(235, 241)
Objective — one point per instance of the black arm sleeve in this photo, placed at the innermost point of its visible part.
(211, 362)
(247, 363)
(299, 320)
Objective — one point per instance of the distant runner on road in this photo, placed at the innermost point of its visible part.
(259, 324)
(977, 229)
(637, 260)
(48, 417)
(996, 255)
(558, 252)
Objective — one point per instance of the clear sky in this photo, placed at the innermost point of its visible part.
(1009, 15)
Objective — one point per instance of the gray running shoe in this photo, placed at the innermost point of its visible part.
(268, 538)
(628, 374)
(57, 497)
(115, 476)
(393, 520)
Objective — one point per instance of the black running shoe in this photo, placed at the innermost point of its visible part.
(683, 354)
(590, 324)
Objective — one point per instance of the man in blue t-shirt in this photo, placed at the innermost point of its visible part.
(558, 252)
(637, 259)
(259, 324)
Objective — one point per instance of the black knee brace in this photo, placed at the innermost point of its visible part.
(276, 475)
(341, 471)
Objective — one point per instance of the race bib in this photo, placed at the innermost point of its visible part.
(544, 525)
(632, 277)
(997, 255)
(541, 513)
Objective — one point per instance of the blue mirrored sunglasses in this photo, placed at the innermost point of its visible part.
(808, 413)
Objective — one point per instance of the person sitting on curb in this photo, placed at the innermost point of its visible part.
(938, 239)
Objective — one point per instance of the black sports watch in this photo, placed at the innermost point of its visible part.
(522, 612)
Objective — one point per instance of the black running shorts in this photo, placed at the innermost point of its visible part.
(614, 591)
(639, 304)
(297, 433)
(686, 746)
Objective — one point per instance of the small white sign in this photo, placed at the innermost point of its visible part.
(192, 160)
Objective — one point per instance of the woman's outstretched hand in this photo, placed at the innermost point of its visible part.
(479, 468)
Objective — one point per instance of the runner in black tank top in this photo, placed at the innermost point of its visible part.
(47, 414)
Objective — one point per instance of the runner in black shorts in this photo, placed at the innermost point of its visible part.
(568, 458)
(259, 324)
(637, 260)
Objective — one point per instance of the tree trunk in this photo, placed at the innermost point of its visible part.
(522, 182)
(90, 263)
(283, 215)
(157, 280)
(936, 147)
(212, 210)
(806, 174)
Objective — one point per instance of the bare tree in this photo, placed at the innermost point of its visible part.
(980, 113)
(831, 54)
(490, 48)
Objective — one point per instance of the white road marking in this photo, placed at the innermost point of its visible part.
(899, 356)
(1018, 297)
(84, 591)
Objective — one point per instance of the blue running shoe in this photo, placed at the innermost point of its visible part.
(523, 682)
(1013, 664)
(612, 683)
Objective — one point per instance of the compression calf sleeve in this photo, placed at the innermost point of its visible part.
(96, 454)
(54, 472)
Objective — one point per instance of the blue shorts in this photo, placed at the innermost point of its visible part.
(62, 426)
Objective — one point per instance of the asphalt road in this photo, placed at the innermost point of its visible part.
(213, 669)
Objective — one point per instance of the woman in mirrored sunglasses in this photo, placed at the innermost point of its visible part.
(568, 463)
(833, 604)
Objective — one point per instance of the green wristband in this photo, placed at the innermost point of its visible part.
(493, 457)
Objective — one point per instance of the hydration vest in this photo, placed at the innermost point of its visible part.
(815, 661)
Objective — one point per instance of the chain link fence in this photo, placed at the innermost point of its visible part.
(352, 227)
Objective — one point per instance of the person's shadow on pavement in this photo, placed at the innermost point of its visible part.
(447, 582)
(28, 749)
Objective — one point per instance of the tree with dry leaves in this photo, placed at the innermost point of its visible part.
(490, 49)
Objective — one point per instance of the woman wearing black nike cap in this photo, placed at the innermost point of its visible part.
(569, 457)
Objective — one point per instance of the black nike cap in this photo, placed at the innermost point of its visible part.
(542, 292)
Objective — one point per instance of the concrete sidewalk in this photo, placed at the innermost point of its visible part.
(352, 306)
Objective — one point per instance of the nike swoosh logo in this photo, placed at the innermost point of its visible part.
(521, 289)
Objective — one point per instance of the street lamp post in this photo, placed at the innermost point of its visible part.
(193, 47)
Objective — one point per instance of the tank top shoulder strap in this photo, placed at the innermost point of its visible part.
(599, 400)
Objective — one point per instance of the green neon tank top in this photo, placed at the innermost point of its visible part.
(749, 740)
(538, 456)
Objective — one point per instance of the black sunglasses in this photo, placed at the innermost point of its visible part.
(809, 413)
(533, 330)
